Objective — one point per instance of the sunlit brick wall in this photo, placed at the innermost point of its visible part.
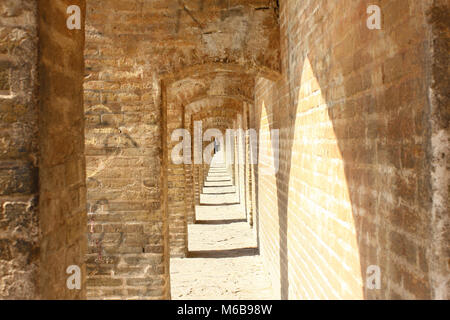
(353, 188)
(128, 251)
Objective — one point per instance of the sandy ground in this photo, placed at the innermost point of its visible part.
(223, 261)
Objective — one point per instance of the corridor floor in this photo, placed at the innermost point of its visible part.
(223, 262)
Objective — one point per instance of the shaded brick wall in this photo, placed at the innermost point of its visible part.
(439, 19)
(175, 179)
(249, 182)
(19, 222)
(62, 168)
(353, 188)
(42, 184)
(241, 182)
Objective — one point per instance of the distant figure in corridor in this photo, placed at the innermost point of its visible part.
(216, 146)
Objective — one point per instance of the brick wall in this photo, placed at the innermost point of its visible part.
(127, 245)
(241, 182)
(248, 138)
(62, 169)
(175, 178)
(19, 233)
(353, 188)
(43, 195)
(438, 17)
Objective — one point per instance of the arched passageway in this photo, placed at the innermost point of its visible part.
(223, 259)
(337, 187)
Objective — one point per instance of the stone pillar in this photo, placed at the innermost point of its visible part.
(42, 167)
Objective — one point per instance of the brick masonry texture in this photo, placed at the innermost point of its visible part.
(86, 118)
(43, 193)
(19, 233)
(353, 189)
(62, 168)
(146, 63)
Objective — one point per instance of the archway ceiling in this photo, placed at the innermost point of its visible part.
(213, 83)
(229, 67)
(215, 121)
(214, 118)
(222, 103)
(229, 114)
(245, 33)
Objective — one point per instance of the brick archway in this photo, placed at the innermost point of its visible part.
(363, 127)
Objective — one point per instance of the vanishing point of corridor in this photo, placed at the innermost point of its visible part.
(223, 261)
